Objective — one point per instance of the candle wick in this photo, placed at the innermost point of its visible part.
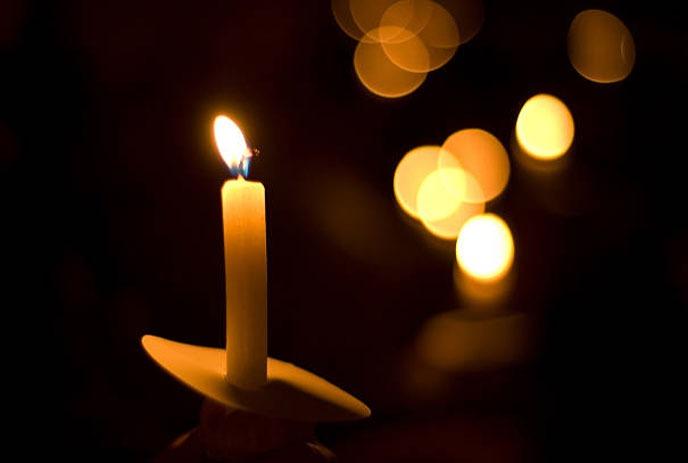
(241, 168)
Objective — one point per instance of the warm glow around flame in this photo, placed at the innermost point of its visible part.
(232, 145)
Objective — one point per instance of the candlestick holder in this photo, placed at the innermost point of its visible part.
(290, 392)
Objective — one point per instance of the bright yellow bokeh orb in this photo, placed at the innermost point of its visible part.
(413, 168)
(447, 228)
(544, 128)
(485, 247)
(441, 194)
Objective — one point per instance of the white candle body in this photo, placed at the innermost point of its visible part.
(243, 214)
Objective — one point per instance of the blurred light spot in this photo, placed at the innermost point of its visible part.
(400, 41)
(536, 166)
(460, 340)
(367, 14)
(435, 200)
(481, 155)
(441, 30)
(468, 14)
(485, 247)
(342, 14)
(544, 127)
(382, 77)
(432, 47)
(410, 55)
(448, 227)
(484, 295)
(601, 47)
(405, 19)
(410, 173)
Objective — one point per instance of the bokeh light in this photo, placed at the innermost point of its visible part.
(482, 295)
(462, 340)
(433, 45)
(399, 41)
(441, 35)
(405, 19)
(536, 166)
(413, 168)
(368, 14)
(481, 155)
(436, 199)
(447, 228)
(600, 46)
(410, 55)
(345, 20)
(544, 128)
(382, 77)
(485, 247)
(433, 195)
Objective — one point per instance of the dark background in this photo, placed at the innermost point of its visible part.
(111, 210)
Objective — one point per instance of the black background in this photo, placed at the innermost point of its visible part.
(111, 193)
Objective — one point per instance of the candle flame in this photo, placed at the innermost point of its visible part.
(232, 145)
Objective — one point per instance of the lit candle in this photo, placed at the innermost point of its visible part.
(243, 218)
